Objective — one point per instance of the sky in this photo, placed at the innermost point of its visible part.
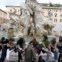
(3, 3)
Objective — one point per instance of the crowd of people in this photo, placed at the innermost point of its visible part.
(31, 52)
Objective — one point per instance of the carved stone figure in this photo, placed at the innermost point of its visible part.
(31, 15)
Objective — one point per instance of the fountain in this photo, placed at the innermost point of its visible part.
(31, 15)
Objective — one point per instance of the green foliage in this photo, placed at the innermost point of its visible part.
(48, 28)
(51, 5)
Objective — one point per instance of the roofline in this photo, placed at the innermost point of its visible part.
(3, 11)
(12, 6)
(43, 7)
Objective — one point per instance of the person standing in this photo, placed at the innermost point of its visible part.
(4, 49)
(54, 49)
(59, 46)
(46, 46)
(20, 45)
(10, 49)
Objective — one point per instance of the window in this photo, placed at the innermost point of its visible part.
(55, 20)
(11, 10)
(49, 10)
(60, 10)
(55, 14)
(60, 15)
(51, 19)
(50, 13)
(60, 20)
(55, 10)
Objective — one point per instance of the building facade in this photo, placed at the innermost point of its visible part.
(3, 16)
(14, 9)
(52, 13)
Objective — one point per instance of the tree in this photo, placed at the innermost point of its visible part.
(50, 4)
(48, 28)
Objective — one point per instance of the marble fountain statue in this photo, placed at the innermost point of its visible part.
(31, 16)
